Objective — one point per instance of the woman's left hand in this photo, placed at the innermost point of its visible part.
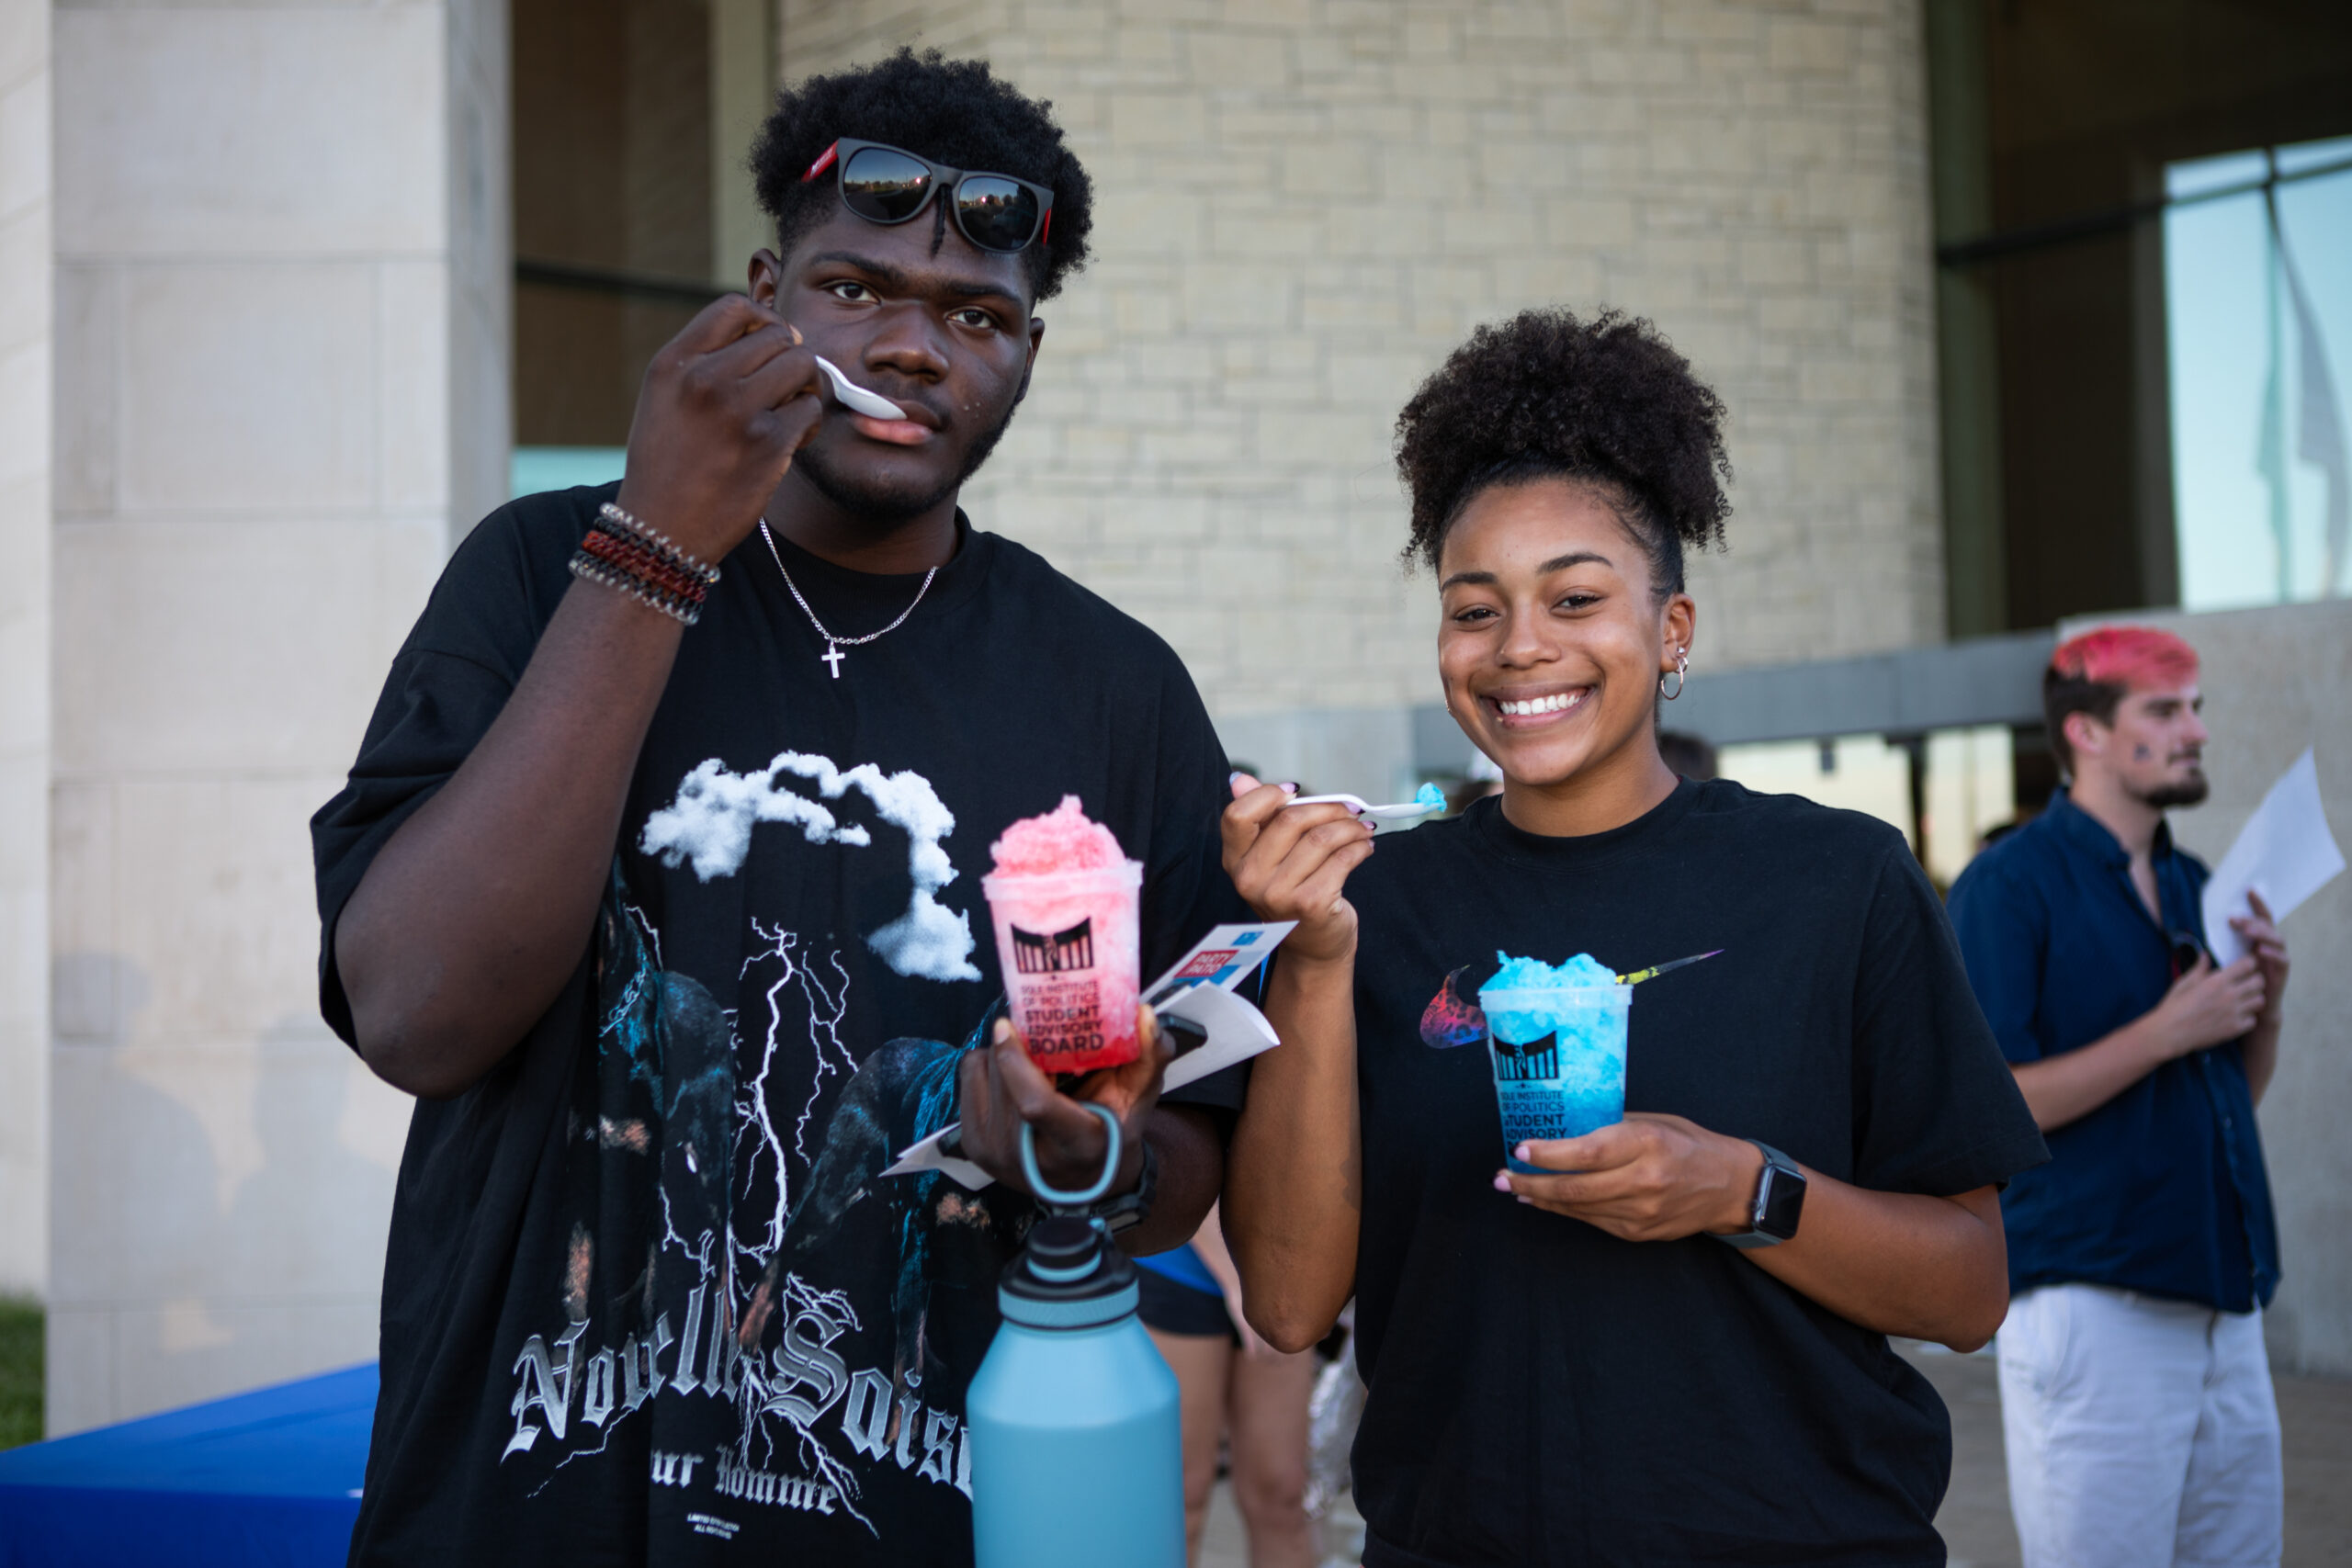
(1649, 1177)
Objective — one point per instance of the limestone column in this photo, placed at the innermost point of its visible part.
(282, 277)
(24, 644)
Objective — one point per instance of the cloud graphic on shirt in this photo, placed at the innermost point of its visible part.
(710, 826)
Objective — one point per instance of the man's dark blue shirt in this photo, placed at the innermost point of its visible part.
(2162, 1188)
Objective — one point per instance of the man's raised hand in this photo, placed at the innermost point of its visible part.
(2259, 931)
(723, 408)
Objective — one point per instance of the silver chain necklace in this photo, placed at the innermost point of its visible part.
(831, 657)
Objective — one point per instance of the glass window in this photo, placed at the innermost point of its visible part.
(2257, 321)
(2066, 135)
(633, 207)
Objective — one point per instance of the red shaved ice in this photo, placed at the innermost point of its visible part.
(1063, 839)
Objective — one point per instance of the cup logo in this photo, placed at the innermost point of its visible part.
(1053, 954)
(1535, 1061)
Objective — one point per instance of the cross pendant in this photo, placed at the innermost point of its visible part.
(832, 656)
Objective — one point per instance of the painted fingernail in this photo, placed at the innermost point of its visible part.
(1291, 787)
(1528, 1200)
(1502, 1182)
(1520, 1153)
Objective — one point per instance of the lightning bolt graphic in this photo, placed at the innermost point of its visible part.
(827, 1003)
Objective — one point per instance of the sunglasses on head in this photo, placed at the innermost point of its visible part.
(889, 185)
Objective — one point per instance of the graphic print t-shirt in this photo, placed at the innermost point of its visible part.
(647, 1296)
(1544, 1393)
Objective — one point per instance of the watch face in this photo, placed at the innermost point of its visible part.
(1781, 1201)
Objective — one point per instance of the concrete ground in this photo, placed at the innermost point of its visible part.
(2317, 1414)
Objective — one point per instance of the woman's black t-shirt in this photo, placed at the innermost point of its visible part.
(1543, 1392)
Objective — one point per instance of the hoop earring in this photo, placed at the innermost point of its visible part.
(1681, 676)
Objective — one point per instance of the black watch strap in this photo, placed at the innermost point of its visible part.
(1130, 1209)
(1779, 1203)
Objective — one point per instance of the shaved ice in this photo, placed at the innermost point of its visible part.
(1556, 1036)
(1534, 975)
(1064, 899)
(1062, 840)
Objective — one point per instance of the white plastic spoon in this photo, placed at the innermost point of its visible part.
(1383, 819)
(856, 399)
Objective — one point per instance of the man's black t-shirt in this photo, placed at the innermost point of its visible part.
(646, 1298)
(1544, 1393)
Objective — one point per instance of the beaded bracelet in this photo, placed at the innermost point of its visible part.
(588, 568)
(615, 521)
(631, 566)
(621, 552)
(632, 558)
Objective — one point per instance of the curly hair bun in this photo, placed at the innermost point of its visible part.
(956, 112)
(1548, 395)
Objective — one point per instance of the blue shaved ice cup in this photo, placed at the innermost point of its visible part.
(1559, 1060)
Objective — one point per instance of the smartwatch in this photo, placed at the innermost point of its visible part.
(1780, 1199)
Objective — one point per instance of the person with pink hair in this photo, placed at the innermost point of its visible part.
(2136, 1401)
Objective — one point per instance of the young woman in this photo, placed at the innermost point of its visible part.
(1572, 1365)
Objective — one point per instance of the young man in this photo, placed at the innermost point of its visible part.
(673, 926)
(2135, 1394)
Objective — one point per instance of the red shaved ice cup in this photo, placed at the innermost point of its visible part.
(1064, 899)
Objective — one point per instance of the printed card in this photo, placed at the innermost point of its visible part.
(1225, 958)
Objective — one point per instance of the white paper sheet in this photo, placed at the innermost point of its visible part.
(2284, 853)
(1236, 1032)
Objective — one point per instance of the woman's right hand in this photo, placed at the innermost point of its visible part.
(722, 410)
(1291, 863)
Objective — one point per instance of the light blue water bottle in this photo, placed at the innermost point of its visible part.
(1076, 1456)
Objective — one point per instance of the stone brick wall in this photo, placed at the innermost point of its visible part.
(1305, 204)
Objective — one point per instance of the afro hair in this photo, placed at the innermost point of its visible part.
(1606, 400)
(955, 112)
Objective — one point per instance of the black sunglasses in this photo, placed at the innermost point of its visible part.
(889, 185)
(2186, 951)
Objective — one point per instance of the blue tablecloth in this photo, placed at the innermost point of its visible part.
(267, 1478)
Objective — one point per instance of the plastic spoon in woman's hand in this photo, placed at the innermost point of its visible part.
(856, 399)
(1428, 802)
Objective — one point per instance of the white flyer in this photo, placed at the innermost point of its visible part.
(1199, 988)
(2284, 853)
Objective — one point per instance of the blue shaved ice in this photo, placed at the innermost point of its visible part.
(1556, 1039)
(1534, 975)
(1429, 798)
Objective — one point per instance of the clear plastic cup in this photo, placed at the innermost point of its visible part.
(1559, 1060)
(1067, 944)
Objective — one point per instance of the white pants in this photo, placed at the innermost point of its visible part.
(2140, 1432)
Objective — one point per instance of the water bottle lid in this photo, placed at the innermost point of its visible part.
(1068, 1276)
